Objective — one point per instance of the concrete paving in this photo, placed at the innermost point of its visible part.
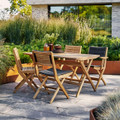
(21, 105)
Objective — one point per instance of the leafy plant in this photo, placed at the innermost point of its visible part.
(50, 39)
(20, 6)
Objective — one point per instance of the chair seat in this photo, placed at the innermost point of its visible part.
(28, 69)
(50, 72)
(95, 66)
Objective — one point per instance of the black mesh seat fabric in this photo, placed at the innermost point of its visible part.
(98, 51)
(94, 66)
(50, 72)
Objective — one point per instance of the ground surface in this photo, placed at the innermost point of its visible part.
(21, 106)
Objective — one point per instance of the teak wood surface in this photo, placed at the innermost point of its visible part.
(79, 62)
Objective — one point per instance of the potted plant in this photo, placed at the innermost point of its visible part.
(108, 110)
(57, 48)
(50, 39)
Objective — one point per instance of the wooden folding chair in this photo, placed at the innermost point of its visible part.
(27, 73)
(73, 49)
(47, 59)
(102, 51)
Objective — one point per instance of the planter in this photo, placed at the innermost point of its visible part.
(112, 67)
(11, 75)
(58, 49)
(10, 79)
(92, 115)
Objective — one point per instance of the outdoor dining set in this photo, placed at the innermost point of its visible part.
(72, 58)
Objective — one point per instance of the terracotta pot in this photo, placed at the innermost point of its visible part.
(92, 115)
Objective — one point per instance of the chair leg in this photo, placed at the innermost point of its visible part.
(104, 81)
(19, 85)
(32, 82)
(57, 90)
(29, 83)
(40, 88)
(100, 77)
(63, 89)
(41, 80)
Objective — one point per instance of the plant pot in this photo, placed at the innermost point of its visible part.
(11, 75)
(92, 117)
(9, 79)
(58, 49)
(50, 47)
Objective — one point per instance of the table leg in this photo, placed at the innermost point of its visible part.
(83, 77)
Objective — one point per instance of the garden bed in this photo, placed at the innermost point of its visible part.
(112, 67)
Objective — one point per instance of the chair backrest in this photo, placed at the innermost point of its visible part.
(17, 59)
(44, 58)
(102, 51)
(73, 49)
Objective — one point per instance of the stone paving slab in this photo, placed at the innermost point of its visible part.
(21, 105)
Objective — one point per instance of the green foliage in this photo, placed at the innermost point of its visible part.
(50, 39)
(20, 6)
(110, 109)
(101, 32)
(28, 35)
(23, 31)
(18, 31)
(5, 62)
(35, 44)
(84, 33)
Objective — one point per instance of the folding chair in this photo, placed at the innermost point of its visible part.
(27, 73)
(73, 49)
(47, 59)
(102, 51)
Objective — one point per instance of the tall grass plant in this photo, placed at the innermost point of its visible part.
(24, 30)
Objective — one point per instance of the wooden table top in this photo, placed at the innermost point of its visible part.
(76, 56)
(73, 56)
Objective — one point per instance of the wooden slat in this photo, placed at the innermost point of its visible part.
(73, 49)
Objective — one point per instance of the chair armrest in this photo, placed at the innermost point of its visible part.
(104, 57)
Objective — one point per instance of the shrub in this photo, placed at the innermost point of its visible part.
(5, 63)
(101, 32)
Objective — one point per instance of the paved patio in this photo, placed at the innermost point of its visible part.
(21, 106)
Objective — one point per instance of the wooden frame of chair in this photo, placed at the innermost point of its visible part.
(73, 49)
(27, 74)
(47, 59)
(102, 51)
